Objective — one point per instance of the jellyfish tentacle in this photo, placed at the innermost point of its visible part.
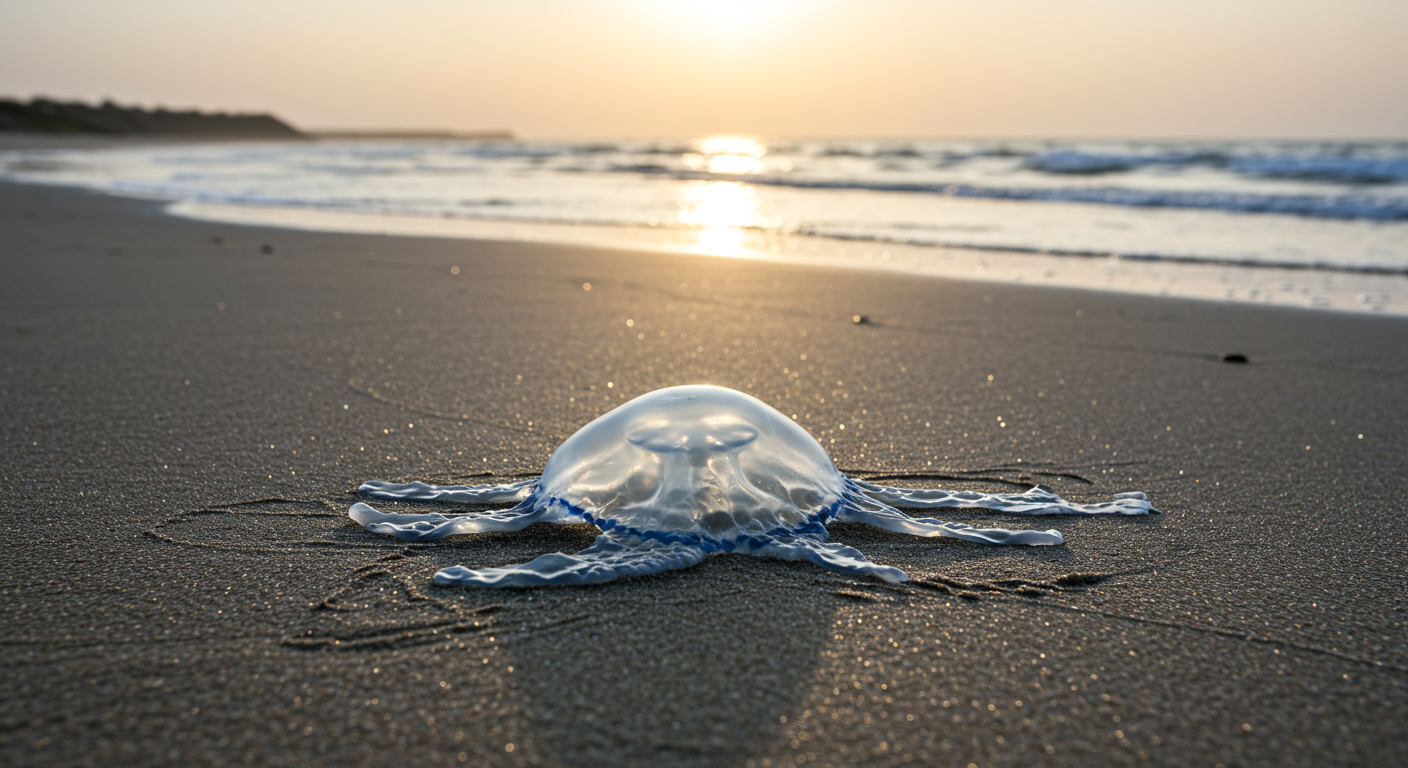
(836, 557)
(1037, 501)
(434, 526)
(612, 556)
(463, 494)
(860, 508)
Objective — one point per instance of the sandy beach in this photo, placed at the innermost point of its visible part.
(188, 408)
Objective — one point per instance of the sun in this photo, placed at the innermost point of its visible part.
(727, 18)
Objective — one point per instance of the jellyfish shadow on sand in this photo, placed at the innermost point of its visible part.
(698, 659)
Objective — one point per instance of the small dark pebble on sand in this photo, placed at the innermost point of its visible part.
(1233, 357)
(1081, 579)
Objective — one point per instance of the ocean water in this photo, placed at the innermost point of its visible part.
(1314, 224)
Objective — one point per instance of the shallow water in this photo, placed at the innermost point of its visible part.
(1304, 223)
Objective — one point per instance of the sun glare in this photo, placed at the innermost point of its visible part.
(726, 17)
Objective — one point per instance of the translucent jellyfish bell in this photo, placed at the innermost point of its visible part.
(695, 460)
(680, 473)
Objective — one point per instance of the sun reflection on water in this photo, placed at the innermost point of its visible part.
(722, 211)
(718, 204)
(733, 145)
(727, 154)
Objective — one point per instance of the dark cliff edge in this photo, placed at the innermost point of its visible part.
(44, 116)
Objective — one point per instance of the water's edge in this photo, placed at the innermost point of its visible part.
(1320, 287)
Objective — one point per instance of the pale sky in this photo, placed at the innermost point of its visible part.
(573, 68)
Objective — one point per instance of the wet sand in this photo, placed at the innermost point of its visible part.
(187, 412)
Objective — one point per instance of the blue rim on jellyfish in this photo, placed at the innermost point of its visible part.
(684, 472)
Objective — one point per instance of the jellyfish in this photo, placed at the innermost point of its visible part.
(681, 473)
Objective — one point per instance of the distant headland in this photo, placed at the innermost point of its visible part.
(41, 117)
(45, 116)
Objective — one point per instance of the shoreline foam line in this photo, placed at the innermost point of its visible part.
(1282, 286)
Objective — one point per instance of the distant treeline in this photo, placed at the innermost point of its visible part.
(74, 117)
